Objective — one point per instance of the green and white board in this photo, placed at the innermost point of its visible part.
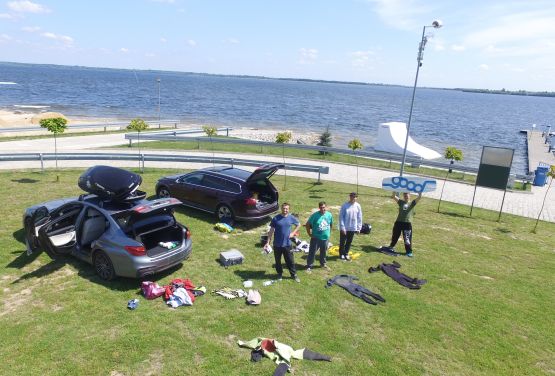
(410, 184)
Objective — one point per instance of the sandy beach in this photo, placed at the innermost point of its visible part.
(31, 118)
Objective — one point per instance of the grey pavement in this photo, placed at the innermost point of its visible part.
(526, 204)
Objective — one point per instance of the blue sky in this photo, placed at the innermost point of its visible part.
(483, 44)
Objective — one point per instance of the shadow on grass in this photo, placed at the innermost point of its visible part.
(86, 271)
(43, 271)
(255, 274)
(25, 181)
(19, 235)
(503, 230)
(23, 259)
(457, 215)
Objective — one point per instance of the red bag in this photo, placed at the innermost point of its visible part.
(151, 290)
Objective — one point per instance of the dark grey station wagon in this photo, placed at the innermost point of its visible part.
(230, 193)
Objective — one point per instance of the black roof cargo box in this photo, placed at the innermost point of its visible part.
(110, 183)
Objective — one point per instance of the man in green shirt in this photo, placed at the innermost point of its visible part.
(318, 228)
(403, 222)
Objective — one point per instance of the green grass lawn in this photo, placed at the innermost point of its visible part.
(312, 155)
(487, 307)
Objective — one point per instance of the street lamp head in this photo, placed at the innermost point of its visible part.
(437, 24)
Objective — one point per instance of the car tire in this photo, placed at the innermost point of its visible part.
(224, 211)
(163, 192)
(103, 266)
(30, 237)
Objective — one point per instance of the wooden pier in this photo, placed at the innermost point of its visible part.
(538, 150)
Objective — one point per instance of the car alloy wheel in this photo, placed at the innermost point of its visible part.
(163, 192)
(224, 211)
(103, 266)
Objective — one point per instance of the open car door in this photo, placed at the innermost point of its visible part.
(265, 172)
(58, 236)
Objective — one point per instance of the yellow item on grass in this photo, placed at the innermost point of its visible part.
(334, 251)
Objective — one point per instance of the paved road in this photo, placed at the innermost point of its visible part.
(525, 204)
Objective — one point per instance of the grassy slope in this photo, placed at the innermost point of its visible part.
(487, 308)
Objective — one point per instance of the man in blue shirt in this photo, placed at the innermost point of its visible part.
(280, 230)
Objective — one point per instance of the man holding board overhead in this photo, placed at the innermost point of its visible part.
(403, 223)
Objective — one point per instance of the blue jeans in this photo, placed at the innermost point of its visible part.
(317, 245)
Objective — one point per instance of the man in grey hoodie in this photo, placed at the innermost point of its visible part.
(350, 222)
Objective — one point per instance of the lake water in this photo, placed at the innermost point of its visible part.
(441, 118)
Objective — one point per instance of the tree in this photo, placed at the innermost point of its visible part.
(453, 154)
(283, 138)
(551, 174)
(55, 126)
(138, 125)
(325, 140)
(210, 131)
(355, 144)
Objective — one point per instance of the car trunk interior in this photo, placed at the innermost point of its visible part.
(156, 229)
(152, 240)
(264, 191)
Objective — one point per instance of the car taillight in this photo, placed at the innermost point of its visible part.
(188, 234)
(135, 250)
(250, 201)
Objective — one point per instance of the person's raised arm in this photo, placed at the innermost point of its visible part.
(395, 197)
(418, 198)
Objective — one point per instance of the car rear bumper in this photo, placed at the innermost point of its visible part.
(252, 215)
(148, 266)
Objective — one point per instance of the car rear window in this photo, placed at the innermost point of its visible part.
(144, 223)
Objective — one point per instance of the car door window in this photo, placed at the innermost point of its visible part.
(195, 179)
(213, 182)
(230, 186)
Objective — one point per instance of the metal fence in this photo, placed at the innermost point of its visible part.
(119, 124)
(142, 158)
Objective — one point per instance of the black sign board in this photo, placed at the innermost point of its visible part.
(495, 167)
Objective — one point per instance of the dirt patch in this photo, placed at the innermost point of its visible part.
(21, 296)
(116, 373)
(154, 364)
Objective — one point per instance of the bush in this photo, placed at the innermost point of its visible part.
(210, 131)
(325, 140)
(283, 137)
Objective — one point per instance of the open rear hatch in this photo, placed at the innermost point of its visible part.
(264, 192)
(153, 224)
(265, 172)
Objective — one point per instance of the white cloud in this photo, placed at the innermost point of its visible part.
(457, 47)
(62, 38)
(232, 41)
(164, 1)
(124, 50)
(5, 37)
(361, 58)
(484, 67)
(6, 16)
(27, 6)
(191, 42)
(30, 29)
(308, 55)
(401, 14)
(163, 40)
(150, 55)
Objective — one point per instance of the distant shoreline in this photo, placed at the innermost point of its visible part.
(469, 90)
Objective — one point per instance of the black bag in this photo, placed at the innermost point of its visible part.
(366, 228)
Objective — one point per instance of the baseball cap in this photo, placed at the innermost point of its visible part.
(353, 194)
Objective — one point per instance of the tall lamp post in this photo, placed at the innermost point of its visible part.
(158, 80)
(436, 25)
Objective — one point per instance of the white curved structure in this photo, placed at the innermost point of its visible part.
(391, 138)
